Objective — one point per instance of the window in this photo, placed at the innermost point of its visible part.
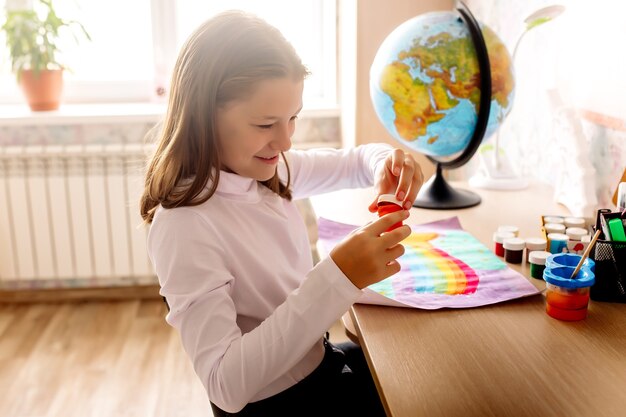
(134, 45)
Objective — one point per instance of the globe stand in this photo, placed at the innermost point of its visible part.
(436, 193)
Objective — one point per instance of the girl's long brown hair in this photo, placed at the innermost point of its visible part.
(220, 62)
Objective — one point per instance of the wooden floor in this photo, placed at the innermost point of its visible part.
(110, 359)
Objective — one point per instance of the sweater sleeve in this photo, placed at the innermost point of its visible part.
(318, 171)
(194, 277)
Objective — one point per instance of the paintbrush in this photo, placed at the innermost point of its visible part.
(586, 253)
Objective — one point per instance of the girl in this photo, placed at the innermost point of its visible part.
(228, 245)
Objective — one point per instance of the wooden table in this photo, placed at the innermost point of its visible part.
(508, 359)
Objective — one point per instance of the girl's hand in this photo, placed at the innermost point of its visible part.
(368, 254)
(401, 176)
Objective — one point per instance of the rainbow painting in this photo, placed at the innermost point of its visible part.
(443, 266)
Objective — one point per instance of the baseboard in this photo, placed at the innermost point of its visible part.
(79, 294)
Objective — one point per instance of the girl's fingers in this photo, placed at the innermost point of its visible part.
(392, 268)
(406, 177)
(373, 207)
(379, 226)
(394, 253)
(418, 181)
(397, 235)
(397, 160)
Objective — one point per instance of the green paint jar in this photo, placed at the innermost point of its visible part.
(537, 261)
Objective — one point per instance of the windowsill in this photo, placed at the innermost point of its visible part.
(73, 114)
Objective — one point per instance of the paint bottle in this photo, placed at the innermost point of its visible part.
(554, 228)
(567, 298)
(575, 234)
(557, 242)
(553, 219)
(513, 250)
(537, 260)
(510, 229)
(574, 222)
(388, 203)
(535, 244)
(498, 240)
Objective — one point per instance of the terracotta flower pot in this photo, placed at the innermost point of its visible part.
(43, 90)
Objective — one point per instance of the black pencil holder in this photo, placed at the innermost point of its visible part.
(610, 258)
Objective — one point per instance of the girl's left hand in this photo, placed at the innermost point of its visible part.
(401, 176)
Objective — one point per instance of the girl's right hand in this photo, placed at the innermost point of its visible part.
(368, 254)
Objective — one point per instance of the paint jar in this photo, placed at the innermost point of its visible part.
(566, 298)
(575, 234)
(535, 244)
(570, 260)
(388, 203)
(538, 263)
(553, 219)
(554, 228)
(510, 229)
(557, 242)
(579, 247)
(513, 250)
(498, 240)
(574, 222)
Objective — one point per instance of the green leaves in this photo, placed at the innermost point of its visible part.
(32, 42)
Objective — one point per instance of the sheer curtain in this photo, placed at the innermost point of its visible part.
(568, 123)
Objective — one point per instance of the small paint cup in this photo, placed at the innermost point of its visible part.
(388, 203)
(514, 250)
(554, 228)
(553, 219)
(576, 234)
(537, 261)
(574, 222)
(557, 242)
(570, 260)
(566, 298)
(579, 247)
(535, 244)
(498, 240)
(510, 229)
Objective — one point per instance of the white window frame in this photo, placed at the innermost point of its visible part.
(163, 14)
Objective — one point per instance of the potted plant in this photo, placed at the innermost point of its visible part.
(32, 43)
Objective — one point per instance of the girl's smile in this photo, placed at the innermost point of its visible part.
(253, 131)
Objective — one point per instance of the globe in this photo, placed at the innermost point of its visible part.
(425, 83)
(440, 84)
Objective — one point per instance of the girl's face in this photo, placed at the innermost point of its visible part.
(252, 132)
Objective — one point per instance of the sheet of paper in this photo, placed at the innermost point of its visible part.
(443, 267)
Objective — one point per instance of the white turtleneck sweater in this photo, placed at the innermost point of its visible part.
(238, 276)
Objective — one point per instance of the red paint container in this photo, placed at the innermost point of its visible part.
(388, 203)
(498, 240)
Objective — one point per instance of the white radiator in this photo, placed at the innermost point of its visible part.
(69, 216)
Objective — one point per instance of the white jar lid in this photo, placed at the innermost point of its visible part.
(574, 222)
(576, 233)
(514, 243)
(586, 239)
(538, 257)
(558, 236)
(553, 219)
(554, 227)
(499, 237)
(389, 198)
(536, 243)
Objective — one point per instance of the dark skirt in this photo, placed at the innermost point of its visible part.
(340, 386)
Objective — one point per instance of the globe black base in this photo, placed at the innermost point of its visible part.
(437, 194)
